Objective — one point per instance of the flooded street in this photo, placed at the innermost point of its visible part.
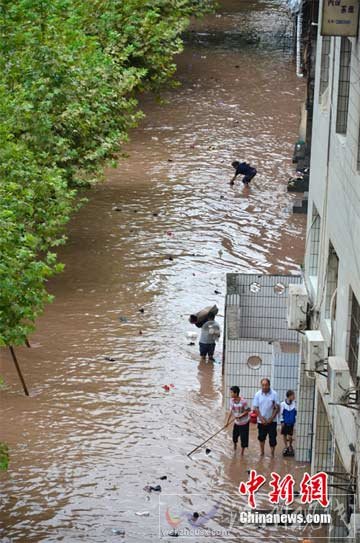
(153, 244)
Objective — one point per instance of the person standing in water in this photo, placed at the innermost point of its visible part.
(267, 406)
(240, 410)
(243, 168)
(210, 334)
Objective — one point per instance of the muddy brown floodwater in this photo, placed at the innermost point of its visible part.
(98, 426)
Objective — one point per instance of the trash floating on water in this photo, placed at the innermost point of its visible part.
(169, 233)
(135, 210)
(170, 160)
(163, 477)
(142, 310)
(118, 531)
(155, 214)
(140, 332)
(150, 488)
(142, 513)
(207, 451)
(191, 344)
(217, 292)
(171, 258)
(168, 387)
(123, 319)
(116, 208)
(110, 359)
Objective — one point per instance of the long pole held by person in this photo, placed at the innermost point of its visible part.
(203, 443)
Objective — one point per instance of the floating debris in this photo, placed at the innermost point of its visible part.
(163, 477)
(110, 359)
(142, 513)
(116, 208)
(118, 531)
(217, 292)
(207, 451)
(150, 488)
(168, 387)
(142, 310)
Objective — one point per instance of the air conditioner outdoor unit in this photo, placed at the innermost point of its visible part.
(297, 307)
(314, 350)
(338, 378)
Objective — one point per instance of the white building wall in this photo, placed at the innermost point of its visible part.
(335, 192)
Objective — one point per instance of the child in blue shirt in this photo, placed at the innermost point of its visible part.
(288, 418)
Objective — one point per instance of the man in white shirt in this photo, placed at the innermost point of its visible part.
(267, 406)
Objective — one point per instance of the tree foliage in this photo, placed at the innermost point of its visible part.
(70, 71)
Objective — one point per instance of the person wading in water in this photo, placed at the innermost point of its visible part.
(243, 168)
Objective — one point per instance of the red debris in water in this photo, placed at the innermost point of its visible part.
(169, 233)
(168, 387)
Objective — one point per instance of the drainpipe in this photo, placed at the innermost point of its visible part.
(299, 20)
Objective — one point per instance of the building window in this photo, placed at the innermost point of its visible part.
(314, 243)
(331, 284)
(353, 357)
(324, 71)
(344, 86)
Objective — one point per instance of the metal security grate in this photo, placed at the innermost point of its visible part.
(341, 503)
(344, 86)
(323, 444)
(314, 244)
(353, 357)
(304, 421)
(331, 282)
(324, 71)
(258, 342)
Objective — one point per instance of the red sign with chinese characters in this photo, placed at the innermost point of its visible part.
(312, 488)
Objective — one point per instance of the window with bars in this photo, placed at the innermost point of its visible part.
(344, 86)
(331, 283)
(314, 243)
(324, 70)
(353, 356)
